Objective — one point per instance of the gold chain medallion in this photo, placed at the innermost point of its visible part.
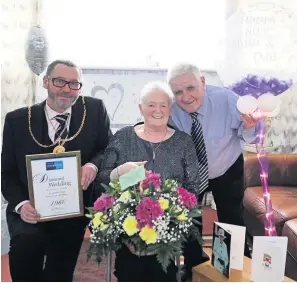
(59, 148)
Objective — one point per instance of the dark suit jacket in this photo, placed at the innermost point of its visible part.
(17, 143)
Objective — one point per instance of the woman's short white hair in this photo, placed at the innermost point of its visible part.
(182, 68)
(156, 86)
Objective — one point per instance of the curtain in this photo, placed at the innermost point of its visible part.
(17, 80)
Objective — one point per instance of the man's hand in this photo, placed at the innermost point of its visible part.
(29, 214)
(248, 121)
(88, 175)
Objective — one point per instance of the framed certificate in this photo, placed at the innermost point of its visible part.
(54, 183)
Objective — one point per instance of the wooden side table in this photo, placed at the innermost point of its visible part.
(207, 273)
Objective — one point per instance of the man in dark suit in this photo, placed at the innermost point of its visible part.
(48, 251)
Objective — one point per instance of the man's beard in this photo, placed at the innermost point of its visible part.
(59, 104)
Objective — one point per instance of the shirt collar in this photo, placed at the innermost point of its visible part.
(52, 113)
(203, 107)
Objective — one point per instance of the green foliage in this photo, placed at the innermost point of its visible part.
(168, 186)
(195, 213)
(194, 234)
(168, 252)
(109, 189)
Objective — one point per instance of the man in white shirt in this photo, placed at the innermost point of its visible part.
(63, 115)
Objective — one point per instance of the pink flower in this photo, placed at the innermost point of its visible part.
(147, 211)
(156, 211)
(142, 214)
(104, 202)
(152, 178)
(186, 198)
(146, 202)
(99, 205)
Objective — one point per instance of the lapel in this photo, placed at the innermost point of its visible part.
(75, 122)
(39, 127)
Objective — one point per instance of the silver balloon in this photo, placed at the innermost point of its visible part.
(36, 50)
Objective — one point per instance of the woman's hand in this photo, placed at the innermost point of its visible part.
(123, 169)
(128, 166)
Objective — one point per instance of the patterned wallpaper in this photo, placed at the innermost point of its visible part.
(283, 132)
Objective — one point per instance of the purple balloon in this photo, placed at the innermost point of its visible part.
(257, 86)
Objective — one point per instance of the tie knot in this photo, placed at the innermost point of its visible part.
(194, 116)
(62, 118)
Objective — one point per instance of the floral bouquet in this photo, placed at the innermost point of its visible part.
(151, 217)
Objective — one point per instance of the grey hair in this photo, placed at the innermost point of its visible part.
(67, 63)
(154, 86)
(182, 68)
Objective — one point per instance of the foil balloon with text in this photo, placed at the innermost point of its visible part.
(36, 50)
(255, 61)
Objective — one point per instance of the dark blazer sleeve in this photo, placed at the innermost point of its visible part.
(10, 177)
(103, 125)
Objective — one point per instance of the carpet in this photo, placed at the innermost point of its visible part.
(90, 271)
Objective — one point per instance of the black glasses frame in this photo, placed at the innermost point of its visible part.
(66, 83)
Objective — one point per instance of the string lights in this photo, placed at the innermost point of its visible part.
(269, 222)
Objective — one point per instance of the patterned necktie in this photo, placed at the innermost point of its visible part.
(197, 136)
(62, 130)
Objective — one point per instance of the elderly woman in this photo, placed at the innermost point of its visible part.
(162, 150)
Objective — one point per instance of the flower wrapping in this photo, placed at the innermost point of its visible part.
(153, 217)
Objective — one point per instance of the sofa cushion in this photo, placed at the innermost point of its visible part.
(282, 170)
(284, 204)
(290, 230)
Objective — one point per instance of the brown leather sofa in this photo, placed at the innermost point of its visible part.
(282, 182)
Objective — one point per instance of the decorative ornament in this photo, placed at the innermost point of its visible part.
(258, 98)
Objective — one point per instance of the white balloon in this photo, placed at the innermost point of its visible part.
(272, 113)
(268, 102)
(247, 104)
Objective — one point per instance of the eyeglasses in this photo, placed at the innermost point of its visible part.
(58, 82)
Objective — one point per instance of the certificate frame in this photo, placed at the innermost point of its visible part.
(48, 159)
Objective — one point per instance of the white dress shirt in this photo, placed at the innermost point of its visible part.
(53, 125)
